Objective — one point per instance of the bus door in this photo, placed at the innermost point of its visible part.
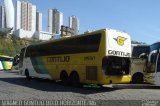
(157, 71)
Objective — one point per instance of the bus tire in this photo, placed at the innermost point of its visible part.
(137, 78)
(64, 78)
(74, 79)
(28, 77)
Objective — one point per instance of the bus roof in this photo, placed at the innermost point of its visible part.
(76, 36)
(139, 45)
(5, 56)
(65, 38)
(155, 43)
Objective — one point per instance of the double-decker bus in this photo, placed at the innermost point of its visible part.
(152, 70)
(99, 57)
(6, 63)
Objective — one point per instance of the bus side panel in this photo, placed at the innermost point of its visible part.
(76, 63)
(36, 67)
(80, 62)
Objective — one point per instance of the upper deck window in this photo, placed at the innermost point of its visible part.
(81, 44)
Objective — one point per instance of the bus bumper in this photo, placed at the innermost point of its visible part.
(118, 79)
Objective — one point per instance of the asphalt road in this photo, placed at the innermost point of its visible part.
(16, 87)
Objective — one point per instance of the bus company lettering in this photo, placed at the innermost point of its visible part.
(118, 53)
(59, 59)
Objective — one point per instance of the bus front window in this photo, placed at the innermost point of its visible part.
(113, 65)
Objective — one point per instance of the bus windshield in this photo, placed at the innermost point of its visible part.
(6, 59)
(138, 50)
(155, 46)
(113, 65)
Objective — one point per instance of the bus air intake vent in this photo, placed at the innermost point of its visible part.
(91, 72)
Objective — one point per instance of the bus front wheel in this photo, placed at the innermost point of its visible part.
(27, 75)
(137, 78)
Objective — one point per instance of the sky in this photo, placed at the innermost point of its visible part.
(139, 18)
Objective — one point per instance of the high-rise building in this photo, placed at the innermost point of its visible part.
(9, 13)
(25, 16)
(50, 18)
(2, 17)
(55, 21)
(29, 22)
(18, 15)
(38, 21)
(74, 24)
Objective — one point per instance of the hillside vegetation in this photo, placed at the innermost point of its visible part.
(11, 45)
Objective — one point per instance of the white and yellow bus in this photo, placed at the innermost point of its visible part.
(6, 63)
(99, 57)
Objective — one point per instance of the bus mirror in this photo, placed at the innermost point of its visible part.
(143, 56)
(154, 51)
(150, 55)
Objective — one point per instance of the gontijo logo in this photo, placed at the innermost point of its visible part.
(120, 40)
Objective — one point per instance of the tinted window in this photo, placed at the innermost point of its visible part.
(81, 44)
(155, 46)
(137, 50)
(6, 59)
